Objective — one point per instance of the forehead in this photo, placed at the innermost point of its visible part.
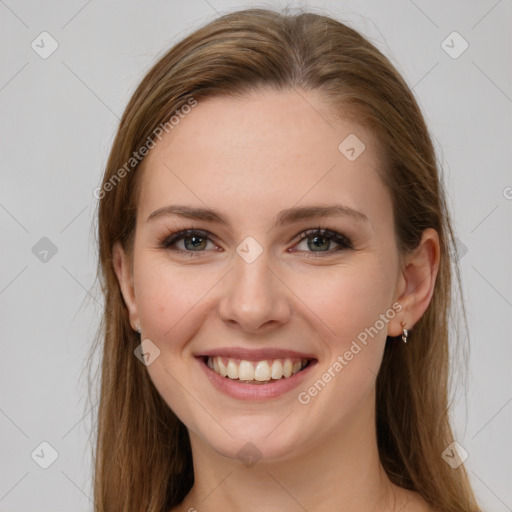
(263, 152)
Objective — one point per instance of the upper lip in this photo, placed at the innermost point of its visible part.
(258, 354)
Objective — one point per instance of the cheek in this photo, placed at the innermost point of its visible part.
(346, 299)
(172, 304)
(352, 306)
(349, 302)
(170, 300)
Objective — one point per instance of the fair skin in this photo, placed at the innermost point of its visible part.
(249, 159)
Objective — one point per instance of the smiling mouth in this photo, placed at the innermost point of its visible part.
(256, 372)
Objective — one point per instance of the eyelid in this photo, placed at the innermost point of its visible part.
(332, 235)
(180, 234)
(335, 236)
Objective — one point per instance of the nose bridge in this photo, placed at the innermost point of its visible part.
(253, 295)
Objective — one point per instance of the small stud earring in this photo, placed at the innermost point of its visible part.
(405, 332)
(138, 329)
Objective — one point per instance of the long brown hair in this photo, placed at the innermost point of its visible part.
(143, 458)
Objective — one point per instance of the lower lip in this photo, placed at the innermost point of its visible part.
(241, 391)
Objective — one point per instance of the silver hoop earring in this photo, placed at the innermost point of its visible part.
(405, 332)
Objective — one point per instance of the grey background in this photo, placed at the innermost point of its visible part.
(58, 118)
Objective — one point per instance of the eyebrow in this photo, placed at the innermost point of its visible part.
(288, 216)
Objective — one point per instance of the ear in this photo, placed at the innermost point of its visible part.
(124, 273)
(417, 282)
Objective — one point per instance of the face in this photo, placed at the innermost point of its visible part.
(264, 282)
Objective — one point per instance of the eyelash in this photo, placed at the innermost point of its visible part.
(333, 236)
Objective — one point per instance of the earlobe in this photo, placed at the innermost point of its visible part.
(124, 274)
(418, 281)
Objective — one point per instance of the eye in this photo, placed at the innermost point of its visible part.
(320, 241)
(316, 242)
(188, 240)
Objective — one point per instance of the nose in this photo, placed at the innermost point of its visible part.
(254, 297)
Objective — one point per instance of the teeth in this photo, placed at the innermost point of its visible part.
(245, 371)
(260, 371)
(287, 368)
(277, 369)
(222, 367)
(232, 369)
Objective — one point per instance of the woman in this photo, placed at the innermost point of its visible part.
(275, 258)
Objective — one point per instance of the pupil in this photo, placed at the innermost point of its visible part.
(315, 240)
(197, 241)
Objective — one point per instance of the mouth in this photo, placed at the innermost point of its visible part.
(256, 372)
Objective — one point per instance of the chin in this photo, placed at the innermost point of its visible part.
(254, 440)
